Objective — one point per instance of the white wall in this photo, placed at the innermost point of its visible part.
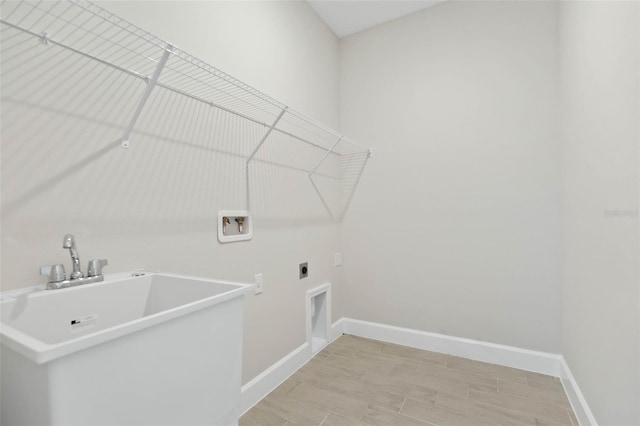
(455, 228)
(601, 329)
(155, 205)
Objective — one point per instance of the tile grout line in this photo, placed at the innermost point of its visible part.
(419, 420)
(404, 401)
(406, 415)
(325, 418)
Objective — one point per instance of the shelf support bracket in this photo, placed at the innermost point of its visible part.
(355, 184)
(325, 157)
(326, 206)
(266, 135)
(151, 83)
(253, 154)
(44, 38)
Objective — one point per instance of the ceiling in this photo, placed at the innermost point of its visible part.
(346, 17)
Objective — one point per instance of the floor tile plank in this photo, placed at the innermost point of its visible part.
(374, 417)
(535, 408)
(335, 402)
(338, 420)
(433, 414)
(486, 369)
(414, 354)
(257, 416)
(551, 396)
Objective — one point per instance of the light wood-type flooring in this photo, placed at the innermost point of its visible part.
(357, 381)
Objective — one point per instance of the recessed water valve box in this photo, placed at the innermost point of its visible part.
(234, 225)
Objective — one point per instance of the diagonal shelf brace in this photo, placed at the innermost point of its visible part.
(326, 206)
(266, 135)
(325, 156)
(145, 96)
(255, 151)
(355, 184)
(312, 172)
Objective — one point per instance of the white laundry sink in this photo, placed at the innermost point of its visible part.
(153, 349)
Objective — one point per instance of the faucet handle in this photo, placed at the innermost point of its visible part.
(55, 272)
(95, 267)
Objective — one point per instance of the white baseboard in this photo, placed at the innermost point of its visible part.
(337, 329)
(524, 359)
(576, 398)
(272, 377)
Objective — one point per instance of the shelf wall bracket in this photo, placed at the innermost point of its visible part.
(266, 135)
(151, 83)
(44, 38)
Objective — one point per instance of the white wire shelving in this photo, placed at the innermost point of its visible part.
(85, 30)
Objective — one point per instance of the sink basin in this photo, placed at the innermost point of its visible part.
(152, 349)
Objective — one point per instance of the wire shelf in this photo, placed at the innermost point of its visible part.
(85, 31)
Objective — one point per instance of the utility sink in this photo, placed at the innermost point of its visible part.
(135, 349)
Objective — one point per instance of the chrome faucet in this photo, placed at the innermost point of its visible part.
(70, 243)
(58, 278)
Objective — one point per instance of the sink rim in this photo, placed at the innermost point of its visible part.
(41, 352)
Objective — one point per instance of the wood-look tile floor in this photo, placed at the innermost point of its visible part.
(356, 381)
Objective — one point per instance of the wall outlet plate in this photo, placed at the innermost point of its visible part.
(257, 279)
(304, 270)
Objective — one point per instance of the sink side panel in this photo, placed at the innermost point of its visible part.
(24, 391)
(182, 372)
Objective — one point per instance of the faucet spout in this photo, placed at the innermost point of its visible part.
(69, 243)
